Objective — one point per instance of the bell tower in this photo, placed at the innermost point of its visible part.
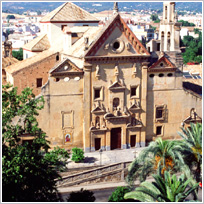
(169, 33)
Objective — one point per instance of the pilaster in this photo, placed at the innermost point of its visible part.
(144, 102)
(87, 108)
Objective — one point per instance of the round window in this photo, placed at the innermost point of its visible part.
(161, 65)
(161, 75)
(169, 74)
(151, 75)
(116, 45)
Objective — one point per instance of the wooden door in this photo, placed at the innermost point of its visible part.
(97, 144)
(116, 138)
(132, 140)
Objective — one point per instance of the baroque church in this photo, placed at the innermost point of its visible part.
(107, 91)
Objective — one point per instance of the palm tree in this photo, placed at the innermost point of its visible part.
(167, 189)
(160, 155)
(191, 148)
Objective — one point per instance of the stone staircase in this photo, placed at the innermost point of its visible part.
(108, 173)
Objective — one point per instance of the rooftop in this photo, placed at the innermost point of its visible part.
(40, 43)
(68, 12)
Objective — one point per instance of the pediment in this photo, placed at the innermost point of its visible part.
(98, 110)
(66, 67)
(116, 39)
(116, 86)
(163, 64)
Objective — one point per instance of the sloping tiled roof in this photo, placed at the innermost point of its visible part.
(68, 12)
(29, 61)
(40, 43)
(8, 61)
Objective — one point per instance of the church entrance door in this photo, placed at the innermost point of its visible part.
(115, 138)
(97, 144)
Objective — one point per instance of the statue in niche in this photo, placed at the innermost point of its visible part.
(97, 122)
(118, 111)
(104, 124)
(193, 113)
(133, 121)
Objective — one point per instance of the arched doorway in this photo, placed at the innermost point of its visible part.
(115, 138)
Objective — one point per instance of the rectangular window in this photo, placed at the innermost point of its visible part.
(133, 91)
(160, 112)
(159, 130)
(97, 94)
(39, 82)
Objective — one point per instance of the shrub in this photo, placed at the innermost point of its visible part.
(118, 194)
(81, 196)
(77, 154)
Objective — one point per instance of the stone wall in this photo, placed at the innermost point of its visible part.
(28, 77)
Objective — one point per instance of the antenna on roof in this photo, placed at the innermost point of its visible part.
(115, 8)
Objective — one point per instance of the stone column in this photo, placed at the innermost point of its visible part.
(144, 102)
(87, 108)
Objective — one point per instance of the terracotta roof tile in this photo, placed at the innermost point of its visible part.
(68, 12)
(40, 43)
(13, 69)
(8, 61)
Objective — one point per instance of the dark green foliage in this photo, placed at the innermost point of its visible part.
(192, 149)
(18, 54)
(81, 196)
(28, 170)
(159, 155)
(155, 18)
(10, 17)
(186, 23)
(167, 189)
(118, 194)
(193, 46)
(77, 154)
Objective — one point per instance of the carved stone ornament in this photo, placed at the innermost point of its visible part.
(97, 72)
(106, 47)
(134, 67)
(116, 70)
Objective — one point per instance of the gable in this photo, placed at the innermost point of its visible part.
(65, 67)
(116, 39)
(163, 64)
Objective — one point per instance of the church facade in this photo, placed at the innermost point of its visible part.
(108, 92)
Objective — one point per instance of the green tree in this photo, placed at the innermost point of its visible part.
(81, 196)
(77, 154)
(160, 155)
(186, 23)
(167, 189)
(191, 148)
(28, 173)
(155, 18)
(18, 54)
(118, 194)
(10, 17)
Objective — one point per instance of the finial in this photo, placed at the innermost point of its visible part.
(115, 8)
